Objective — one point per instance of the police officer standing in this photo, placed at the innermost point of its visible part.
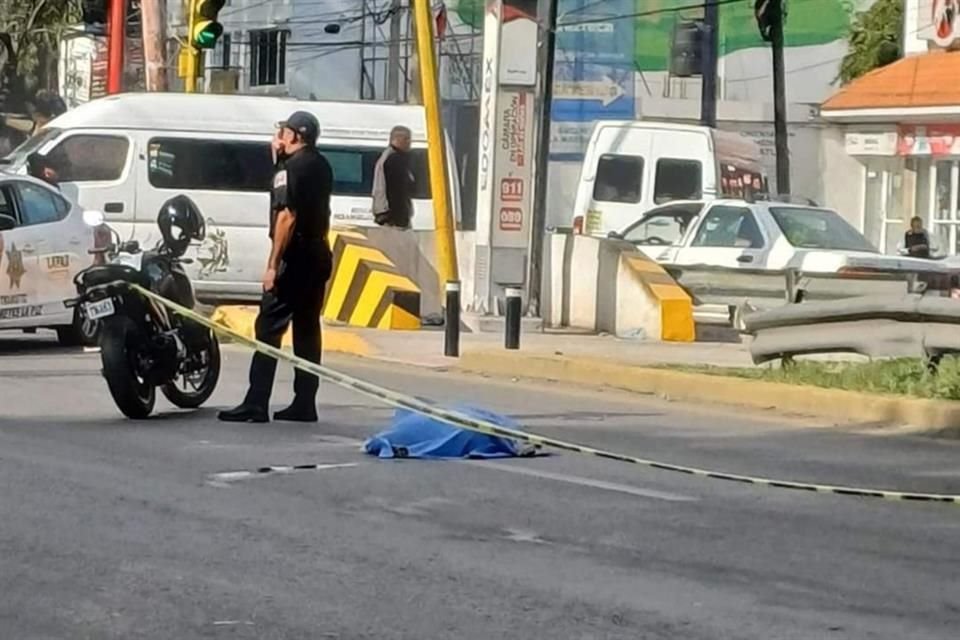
(297, 271)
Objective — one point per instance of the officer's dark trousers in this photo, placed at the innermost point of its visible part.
(300, 305)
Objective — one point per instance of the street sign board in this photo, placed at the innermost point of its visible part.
(593, 73)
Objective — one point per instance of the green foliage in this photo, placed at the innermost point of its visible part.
(902, 376)
(30, 31)
(874, 39)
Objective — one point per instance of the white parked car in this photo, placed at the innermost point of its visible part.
(44, 243)
(764, 235)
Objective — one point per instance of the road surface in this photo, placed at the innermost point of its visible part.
(113, 529)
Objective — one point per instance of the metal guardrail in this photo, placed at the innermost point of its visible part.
(906, 325)
(764, 289)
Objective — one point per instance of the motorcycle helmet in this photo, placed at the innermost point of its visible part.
(180, 224)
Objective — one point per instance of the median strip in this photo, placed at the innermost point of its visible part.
(718, 386)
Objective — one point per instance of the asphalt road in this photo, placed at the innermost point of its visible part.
(112, 529)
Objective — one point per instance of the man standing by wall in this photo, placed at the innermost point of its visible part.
(297, 271)
(393, 182)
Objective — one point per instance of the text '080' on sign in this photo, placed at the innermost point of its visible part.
(511, 219)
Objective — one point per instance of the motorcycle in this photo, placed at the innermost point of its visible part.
(143, 346)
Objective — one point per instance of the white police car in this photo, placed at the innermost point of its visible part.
(44, 243)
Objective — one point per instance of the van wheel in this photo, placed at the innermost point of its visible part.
(82, 333)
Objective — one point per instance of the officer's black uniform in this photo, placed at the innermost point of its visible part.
(302, 184)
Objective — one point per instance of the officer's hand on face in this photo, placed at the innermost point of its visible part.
(276, 145)
(269, 279)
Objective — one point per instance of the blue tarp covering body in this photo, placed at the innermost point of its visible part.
(412, 435)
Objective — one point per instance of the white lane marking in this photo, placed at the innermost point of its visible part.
(223, 478)
(586, 482)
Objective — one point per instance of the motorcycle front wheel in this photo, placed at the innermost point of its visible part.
(189, 391)
(118, 352)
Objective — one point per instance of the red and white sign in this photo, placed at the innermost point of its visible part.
(513, 166)
(945, 20)
(511, 219)
(939, 140)
(511, 190)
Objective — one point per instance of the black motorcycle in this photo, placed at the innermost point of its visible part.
(143, 345)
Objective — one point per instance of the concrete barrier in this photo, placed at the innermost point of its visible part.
(367, 289)
(607, 285)
(415, 255)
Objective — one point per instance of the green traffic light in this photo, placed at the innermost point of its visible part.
(205, 36)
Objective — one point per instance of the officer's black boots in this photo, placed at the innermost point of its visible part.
(245, 413)
(298, 412)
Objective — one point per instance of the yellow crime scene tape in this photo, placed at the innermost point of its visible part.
(459, 420)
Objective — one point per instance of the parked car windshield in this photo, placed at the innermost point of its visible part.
(819, 229)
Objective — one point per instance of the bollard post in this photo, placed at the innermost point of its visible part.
(512, 333)
(451, 321)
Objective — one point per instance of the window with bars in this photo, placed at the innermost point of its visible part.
(268, 57)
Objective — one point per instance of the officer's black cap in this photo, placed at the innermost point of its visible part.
(304, 124)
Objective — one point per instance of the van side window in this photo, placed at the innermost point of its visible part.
(677, 180)
(353, 170)
(209, 165)
(619, 179)
(91, 158)
(730, 227)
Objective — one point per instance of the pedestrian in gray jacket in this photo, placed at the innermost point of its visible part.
(393, 182)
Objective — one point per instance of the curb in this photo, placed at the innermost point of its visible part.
(939, 417)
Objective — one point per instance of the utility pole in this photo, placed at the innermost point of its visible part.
(539, 220)
(393, 59)
(708, 56)
(153, 19)
(116, 30)
(447, 267)
(781, 141)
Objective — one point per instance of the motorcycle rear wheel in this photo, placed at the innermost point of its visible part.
(133, 396)
(201, 384)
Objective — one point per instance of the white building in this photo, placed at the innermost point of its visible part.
(282, 47)
(901, 130)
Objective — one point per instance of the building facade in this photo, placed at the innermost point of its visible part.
(901, 129)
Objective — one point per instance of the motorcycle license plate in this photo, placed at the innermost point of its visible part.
(101, 309)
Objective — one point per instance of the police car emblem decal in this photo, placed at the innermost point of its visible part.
(15, 268)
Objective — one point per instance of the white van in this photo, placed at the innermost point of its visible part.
(632, 166)
(127, 154)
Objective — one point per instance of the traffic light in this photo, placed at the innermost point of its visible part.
(767, 13)
(205, 29)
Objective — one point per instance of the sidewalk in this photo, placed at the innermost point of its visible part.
(636, 366)
(425, 347)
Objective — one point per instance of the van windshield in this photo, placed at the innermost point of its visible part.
(18, 157)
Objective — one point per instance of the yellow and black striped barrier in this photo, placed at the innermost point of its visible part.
(461, 421)
(366, 288)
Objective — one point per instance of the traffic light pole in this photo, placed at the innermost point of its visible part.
(541, 187)
(781, 141)
(193, 55)
(708, 87)
(116, 30)
(437, 150)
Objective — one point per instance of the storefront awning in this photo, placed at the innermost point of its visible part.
(921, 88)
